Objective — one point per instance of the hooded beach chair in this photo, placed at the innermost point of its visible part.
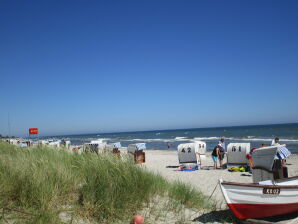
(192, 152)
(136, 152)
(263, 159)
(236, 154)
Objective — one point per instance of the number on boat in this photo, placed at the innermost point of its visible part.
(271, 190)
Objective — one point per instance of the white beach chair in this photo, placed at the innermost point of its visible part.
(192, 152)
(236, 154)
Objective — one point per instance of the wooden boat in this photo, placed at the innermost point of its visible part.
(265, 197)
(259, 201)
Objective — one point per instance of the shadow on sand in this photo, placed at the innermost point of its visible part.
(202, 168)
(172, 167)
(281, 219)
(221, 216)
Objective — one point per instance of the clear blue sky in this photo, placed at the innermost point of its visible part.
(99, 66)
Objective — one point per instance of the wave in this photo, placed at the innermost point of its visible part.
(247, 138)
(180, 138)
(206, 138)
(85, 139)
(183, 139)
(156, 140)
(148, 140)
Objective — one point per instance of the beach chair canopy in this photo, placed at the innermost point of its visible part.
(116, 145)
(236, 153)
(187, 152)
(132, 148)
(110, 147)
(98, 141)
(200, 147)
(264, 157)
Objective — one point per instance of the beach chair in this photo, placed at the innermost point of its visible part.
(136, 152)
(236, 154)
(264, 169)
(94, 147)
(192, 153)
(113, 148)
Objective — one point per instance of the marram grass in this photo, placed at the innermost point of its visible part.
(38, 183)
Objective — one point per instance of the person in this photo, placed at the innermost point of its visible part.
(249, 158)
(221, 156)
(215, 155)
(222, 144)
(169, 145)
(275, 141)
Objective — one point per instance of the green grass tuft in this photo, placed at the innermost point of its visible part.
(42, 181)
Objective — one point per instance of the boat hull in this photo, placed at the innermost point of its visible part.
(249, 211)
(260, 201)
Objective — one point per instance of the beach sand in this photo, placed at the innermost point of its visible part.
(163, 162)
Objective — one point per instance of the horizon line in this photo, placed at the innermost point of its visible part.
(102, 133)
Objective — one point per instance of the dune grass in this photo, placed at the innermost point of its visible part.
(38, 183)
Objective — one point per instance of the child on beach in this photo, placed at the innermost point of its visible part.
(215, 155)
(249, 158)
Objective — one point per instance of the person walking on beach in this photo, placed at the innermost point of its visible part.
(215, 155)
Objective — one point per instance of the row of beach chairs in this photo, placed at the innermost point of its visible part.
(135, 151)
(266, 165)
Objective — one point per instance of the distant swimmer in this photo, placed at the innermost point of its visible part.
(169, 145)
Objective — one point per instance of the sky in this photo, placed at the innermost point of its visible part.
(70, 67)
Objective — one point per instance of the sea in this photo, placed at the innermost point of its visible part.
(170, 139)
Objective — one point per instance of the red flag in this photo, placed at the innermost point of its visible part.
(33, 131)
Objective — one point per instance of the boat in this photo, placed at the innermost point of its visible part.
(267, 196)
(260, 201)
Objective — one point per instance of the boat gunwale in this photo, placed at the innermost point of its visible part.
(262, 186)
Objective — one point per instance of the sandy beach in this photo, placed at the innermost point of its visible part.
(206, 179)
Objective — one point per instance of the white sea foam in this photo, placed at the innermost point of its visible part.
(148, 140)
(248, 138)
(206, 138)
(185, 139)
(180, 138)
